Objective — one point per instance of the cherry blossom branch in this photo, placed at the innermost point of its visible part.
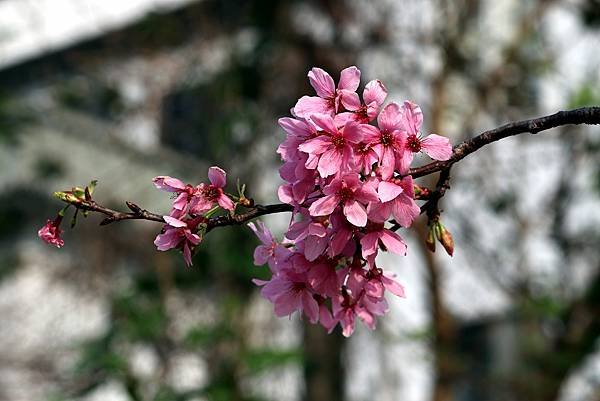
(583, 115)
(137, 213)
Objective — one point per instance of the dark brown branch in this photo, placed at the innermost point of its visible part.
(583, 115)
(256, 211)
(137, 213)
(431, 207)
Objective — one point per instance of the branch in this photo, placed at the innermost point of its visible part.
(137, 213)
(583, 115)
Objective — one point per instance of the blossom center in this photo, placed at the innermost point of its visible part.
(338, 141)
(363, 115)
(413, 143)
(387, 139)
(210, 193)
(345, 194)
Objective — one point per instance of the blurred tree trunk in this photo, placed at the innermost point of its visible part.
(323, 371)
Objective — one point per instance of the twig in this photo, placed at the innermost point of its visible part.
(583, 115)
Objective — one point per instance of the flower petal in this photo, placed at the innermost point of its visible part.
(355, 213)
(388, 191)
(322, 82)
(349, 79)
(437, 147)
(217, 176)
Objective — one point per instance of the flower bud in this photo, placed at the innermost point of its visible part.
(446, 240)
(430, 241)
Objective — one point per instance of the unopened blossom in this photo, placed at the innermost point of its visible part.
(50, 232)
(435, 146)
(207, 195)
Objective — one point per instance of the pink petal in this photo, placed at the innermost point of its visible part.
(187, 254)
(388, 191)
(324, 206)
(403, 163)
(309, 105)
(168, 240)
(226, 203)
(349, 79)
(310, 307)
(322, 82)
(374, 92)
(350, 100)
(217, 176)
(330, 162)
(353, 132)
(315, 246)
(393, 286)
(167, 183)
(412, 117)
(325, 122)
(374, 289)
(368, 244)
(316, 145)
(173, 222)
(261, 255)
(181, 201)
(326, 319)
(387, 163)
(437, 147)
(393, 242)
(294, 127)
(355, 213)
(405, 210)
(390, 118)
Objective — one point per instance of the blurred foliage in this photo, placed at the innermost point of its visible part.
(590, 13)
(90, 96)
(13, 116)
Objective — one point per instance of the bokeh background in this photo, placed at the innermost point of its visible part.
(122, 91)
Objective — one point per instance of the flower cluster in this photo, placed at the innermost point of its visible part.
(345, 164)
(191, 207)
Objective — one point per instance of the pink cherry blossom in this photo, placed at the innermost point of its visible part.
(207, 195)
(435, 146)
(349, 192)
(270, 251)
(289, 291)
(376, 236)
(179, 234)
(332, 151)
(50, 232)
(328, 98)
(184, 192)
(374, 95)
(397, 199)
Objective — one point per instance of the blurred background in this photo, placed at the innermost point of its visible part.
(122, 91)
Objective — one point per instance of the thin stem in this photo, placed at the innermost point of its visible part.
(583, 115)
